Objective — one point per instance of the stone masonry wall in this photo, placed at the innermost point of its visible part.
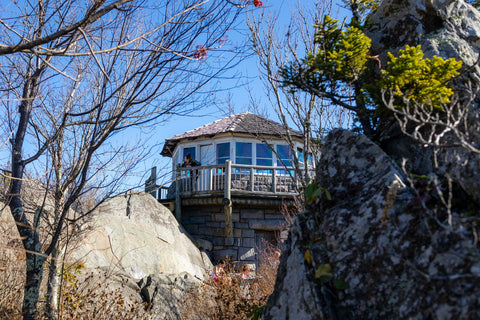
(250, 224)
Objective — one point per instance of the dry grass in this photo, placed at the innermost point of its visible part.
(11, 283)
(12, 261)
(92, 296)
(232, 297)
(96, 295)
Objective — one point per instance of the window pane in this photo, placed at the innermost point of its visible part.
(285, 155)
(223, 152)
(190, 150)
(263, 151)
(284, 162)
(243, 149)
(244, 160)
(284, 152)
(284, 172)
(264, 162)
(264, 155)
(300, 155)
(243, 152)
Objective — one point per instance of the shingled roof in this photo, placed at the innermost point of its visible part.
(239, 123)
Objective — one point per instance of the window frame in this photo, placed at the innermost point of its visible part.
(249, 157)
(218, 160)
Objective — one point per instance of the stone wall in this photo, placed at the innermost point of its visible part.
(206, 224)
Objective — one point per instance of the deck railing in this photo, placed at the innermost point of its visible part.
(243, 179)
(226, 180)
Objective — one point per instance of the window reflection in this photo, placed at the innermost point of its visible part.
(223, 152)
(243, 151)
(285, 155)
(264, 155)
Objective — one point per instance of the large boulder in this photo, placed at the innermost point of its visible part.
(380, 249)
(135, 234)
(116, 295)
(449, 29)
(446, 28)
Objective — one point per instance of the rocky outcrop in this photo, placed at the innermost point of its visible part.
(446, 28)
(138, 236)
(136, 252)
(117, 295)
(130, 258)
(382, 248)
(449, 29)
(164, 295)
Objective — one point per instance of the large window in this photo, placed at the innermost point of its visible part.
(284, 155)
(223, 152)
(243, 153)
(264, 155)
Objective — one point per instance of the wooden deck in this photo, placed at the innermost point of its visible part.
(238, 179)
(226, 185)
(229, 179)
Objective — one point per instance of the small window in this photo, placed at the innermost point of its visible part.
(285, 155)
(223, 152)
(243, 152)
(264, 155)
(190, 150)
(301, 158)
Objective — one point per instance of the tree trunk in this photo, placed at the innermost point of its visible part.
(53, 285)
(28, 231)
(31, 291)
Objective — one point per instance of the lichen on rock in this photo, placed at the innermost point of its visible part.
(390, 256)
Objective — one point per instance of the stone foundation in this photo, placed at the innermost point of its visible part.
(252, 225)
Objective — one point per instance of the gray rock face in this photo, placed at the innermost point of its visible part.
(446, 28)
(136, 235)
(449, 29)
(396, 258)
(116, 294)
(294, 296)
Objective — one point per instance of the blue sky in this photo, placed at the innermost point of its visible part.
(237, 88)
(236, 95)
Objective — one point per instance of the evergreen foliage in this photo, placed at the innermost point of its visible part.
(412, 77)
(340, 58)
(339, 73)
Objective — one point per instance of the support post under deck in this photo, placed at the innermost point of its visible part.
(227, 200)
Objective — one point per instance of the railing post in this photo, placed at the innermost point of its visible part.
(210, 179)
(178, 199)
(295, 180)
(227, 201)
(252, 180)
(274, 180)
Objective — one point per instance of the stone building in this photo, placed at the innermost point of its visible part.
(231, 204)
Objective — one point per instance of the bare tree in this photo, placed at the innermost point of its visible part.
(76, 74)
(448, 128)
(302, 111)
